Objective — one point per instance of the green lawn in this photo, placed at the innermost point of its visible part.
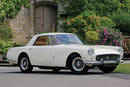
(123, 68)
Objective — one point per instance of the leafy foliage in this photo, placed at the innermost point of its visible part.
(6, 36)
(5, 45)
(104, 7)
(110, 36)
(91, 16)
(100, 7)
(6, 32)
(92, 36)
(10, 8)
(122, 21)
(90, 28)
(126, 44)
(76, 7)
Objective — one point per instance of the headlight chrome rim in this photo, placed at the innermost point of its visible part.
(90, 51)
(120, 50)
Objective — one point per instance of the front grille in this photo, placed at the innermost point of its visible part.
(110, 57)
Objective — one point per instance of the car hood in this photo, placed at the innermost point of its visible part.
(102, 49)
(99, 49)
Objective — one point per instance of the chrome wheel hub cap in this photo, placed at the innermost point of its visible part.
(78, 64)
(24, 63)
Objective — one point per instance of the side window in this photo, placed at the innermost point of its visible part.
(54, 41)
(42, 41)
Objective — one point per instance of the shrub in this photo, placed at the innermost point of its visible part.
(110, 36)
(5, 32)
(6, 37)
(91, 36)
(5, 45)
(102, 8)
(126, 44)
(86, 25)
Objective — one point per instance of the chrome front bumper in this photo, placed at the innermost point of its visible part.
(93, 63)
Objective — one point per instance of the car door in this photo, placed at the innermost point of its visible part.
(41, 51)
(58, 55)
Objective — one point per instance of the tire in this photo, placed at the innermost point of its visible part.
(24, 64)
(56, 70)
(108, 69)
(77, 65)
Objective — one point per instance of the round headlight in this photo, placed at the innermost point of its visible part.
(90, 51)
(120, 50)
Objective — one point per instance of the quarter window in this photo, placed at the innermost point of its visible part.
(42, 41)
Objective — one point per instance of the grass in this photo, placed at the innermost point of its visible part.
(123, 68)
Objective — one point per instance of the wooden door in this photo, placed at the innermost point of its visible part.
(50, 13)
(39, 19)
(45, 18)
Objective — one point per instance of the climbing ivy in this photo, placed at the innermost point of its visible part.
(10, 8)
(6, 32)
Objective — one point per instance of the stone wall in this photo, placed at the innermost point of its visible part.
(22, 25)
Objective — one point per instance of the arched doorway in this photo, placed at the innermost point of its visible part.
(45, 17)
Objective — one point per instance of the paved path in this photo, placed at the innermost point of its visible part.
(12, 77)
(127, 62)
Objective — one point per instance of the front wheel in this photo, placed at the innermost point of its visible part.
(107, 69)
(77, 65)
(24, 64)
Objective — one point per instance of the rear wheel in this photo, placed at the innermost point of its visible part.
(24, 64)
(107, 69)
(77, 65)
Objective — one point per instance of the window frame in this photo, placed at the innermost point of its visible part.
(51, 40)
(42, 36)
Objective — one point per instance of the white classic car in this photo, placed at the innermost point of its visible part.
(64, 51)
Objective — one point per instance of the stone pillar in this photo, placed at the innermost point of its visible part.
(61, 13)
(31, 22)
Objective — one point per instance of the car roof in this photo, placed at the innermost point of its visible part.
(30, 43)
(37, 35)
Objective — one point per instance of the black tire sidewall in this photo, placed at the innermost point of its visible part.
(29, 69)
(106, 69)
(73, 70)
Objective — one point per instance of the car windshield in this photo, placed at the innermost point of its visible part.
(67, 39)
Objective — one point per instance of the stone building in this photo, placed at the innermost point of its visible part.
(40, 17)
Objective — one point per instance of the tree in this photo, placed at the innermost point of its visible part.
(109, 8)
(76, 7)
(100, 7)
